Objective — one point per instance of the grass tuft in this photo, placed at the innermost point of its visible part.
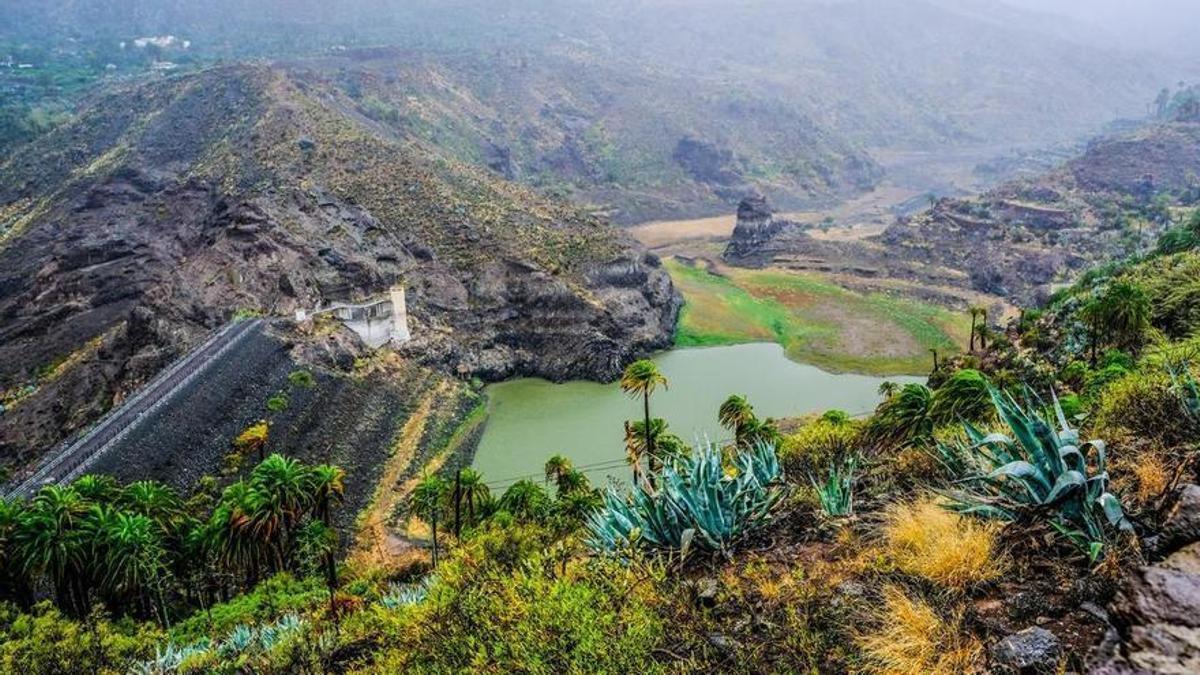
(911, 637)
(951, 550)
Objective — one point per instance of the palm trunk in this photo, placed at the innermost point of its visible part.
(458, 503)
(972, 348)
(433, 523)
(649, 437)
(330, 578)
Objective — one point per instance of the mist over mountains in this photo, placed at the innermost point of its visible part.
(879, 72)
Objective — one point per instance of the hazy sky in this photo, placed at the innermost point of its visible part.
(1168, 25)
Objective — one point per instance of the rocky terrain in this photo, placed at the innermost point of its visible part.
(168, 206)
(634, 144)
(639, 110)
(1018, 241)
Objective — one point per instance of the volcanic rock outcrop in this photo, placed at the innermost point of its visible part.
(166, 207)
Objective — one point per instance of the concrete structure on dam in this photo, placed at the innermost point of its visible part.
(377, 321)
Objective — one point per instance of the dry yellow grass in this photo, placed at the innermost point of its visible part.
(954, 551)
(913, 639)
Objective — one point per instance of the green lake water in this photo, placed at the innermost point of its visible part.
(530, 420)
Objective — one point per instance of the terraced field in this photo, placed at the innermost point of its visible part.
(815, 320)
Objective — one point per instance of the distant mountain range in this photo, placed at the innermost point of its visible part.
(644, 109)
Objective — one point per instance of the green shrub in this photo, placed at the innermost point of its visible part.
(302, 379)
(281, 594)
(1075, 374)
(964, 397)
(819, 443)
(278, 403)
(1116, 357)
(501, 604)
(1145, 405)
(1072, 406)
(1097, 380)
(44, 641)
(1173, 283)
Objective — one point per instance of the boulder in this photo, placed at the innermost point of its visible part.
(1033, 650)
(1157, 616)
(1182, 525)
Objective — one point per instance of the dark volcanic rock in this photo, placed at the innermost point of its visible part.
(1033, 650)
(757, 231)
(167, 206)
(1156, 614)
(706, 163)
(1019, 241)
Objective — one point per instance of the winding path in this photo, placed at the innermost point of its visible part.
(75, 457)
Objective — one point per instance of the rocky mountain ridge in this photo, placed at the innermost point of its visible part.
(167, 206)
(1022, 239)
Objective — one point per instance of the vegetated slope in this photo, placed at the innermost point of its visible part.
(165, 207)
(636, 141)
(816, 320)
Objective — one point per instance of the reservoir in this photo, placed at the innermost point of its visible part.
(531, 420)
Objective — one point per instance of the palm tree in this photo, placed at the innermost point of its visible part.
(1127, 314)
(133, 557)
(473, 492)
(635, 450)
(734, 413)
(888, 389)
(760, 431)
(50, 540)
(642, 378)
(317, 543)
(12, 578)
(525, 500)
(429, 504)
(556, 466)
(280, 494)
(578, 504)
(1092, 314)
(975, 311)
(154, 500)
(327, 486)
(666, 446)
(572, 481)
(228, 535)
(97, 488)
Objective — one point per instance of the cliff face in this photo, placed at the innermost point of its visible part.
(167, 207)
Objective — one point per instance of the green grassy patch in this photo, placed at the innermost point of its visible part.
(815, 320)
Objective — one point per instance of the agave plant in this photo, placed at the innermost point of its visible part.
(169, 659)
(697, 503)
(403, 595)
(1036, 471)
(1188, 391)
(837, 492)
(240, 639)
